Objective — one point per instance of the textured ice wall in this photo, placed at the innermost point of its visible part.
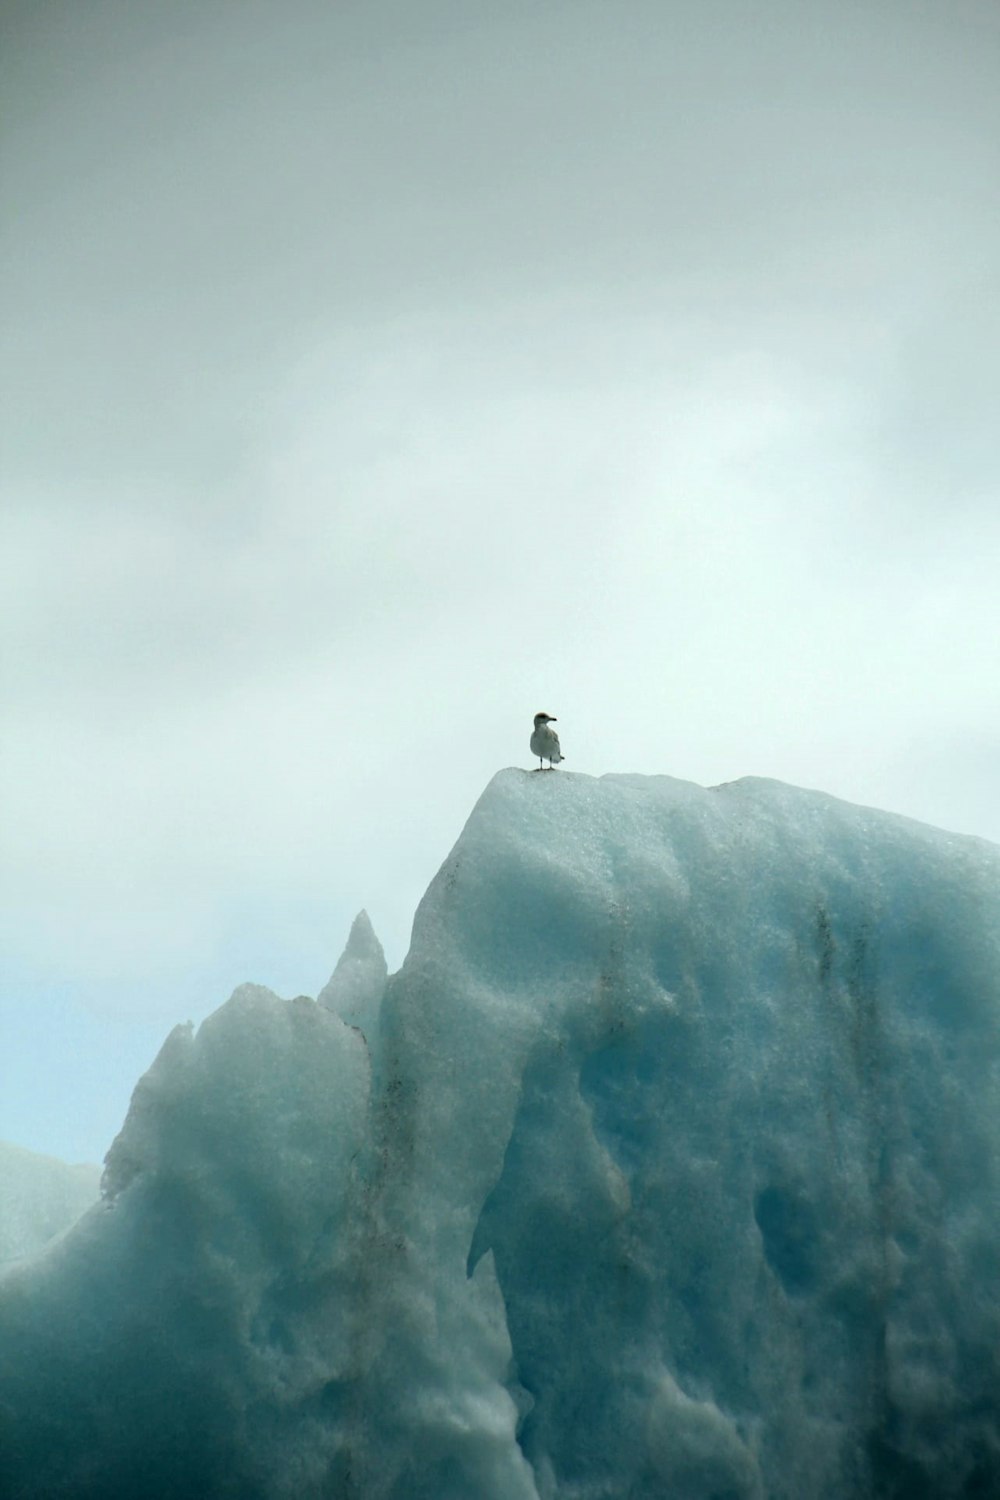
(721, 1069)
(670, 1167)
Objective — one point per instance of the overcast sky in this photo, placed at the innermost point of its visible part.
(378, 373)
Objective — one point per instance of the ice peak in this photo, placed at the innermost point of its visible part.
(361, 941)
(354, 990)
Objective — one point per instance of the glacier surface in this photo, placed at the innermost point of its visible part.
(668, 1165)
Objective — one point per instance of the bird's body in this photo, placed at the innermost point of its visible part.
(545, 741)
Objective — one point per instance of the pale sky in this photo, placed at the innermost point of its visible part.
(377, 374)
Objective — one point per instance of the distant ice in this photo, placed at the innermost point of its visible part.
(40, 1198)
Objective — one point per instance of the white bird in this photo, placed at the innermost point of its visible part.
(545, 741)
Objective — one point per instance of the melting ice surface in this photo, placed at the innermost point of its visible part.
(667, 1166)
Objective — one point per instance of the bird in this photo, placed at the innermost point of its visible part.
(545, 741)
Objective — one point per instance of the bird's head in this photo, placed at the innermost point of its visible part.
(544, 719)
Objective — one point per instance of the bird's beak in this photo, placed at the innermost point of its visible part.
(553, 719)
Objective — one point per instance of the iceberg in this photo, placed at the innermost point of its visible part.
(668, 1164)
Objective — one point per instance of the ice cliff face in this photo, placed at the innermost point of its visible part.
(668, 1165)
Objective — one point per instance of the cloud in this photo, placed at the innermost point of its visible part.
(380, 375)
